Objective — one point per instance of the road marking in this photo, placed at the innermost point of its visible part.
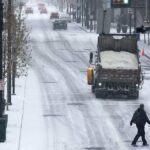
(49, 82)
(75, 104)
(71, 61)
(52, 115)
(83, 51)
(95, 148)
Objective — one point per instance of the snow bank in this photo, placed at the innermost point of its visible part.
(118, 60)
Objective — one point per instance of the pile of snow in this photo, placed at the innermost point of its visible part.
(118, 60)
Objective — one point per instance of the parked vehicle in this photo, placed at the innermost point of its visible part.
(54, 15)
(116, 68)
(60, 24)
(43, 10)
(29, 10)
(41, 5)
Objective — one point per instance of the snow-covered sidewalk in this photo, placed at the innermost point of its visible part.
(15, 113)
(25, 117)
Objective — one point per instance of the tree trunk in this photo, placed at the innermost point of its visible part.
(9, 54)
(13, 77)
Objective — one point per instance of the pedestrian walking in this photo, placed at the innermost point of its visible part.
(91, 58)
(140, 119)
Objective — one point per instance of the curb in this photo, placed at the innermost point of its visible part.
(82, 28)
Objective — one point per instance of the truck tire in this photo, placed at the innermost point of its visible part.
(97, 94)
(93, 88)
(96, 91)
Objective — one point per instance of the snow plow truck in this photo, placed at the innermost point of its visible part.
(115, 67)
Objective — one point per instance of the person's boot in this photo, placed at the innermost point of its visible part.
(133, 143)
(145, 144)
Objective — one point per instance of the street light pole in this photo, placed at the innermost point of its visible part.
(1, 56)
(9, 67)
(146, 9)
(135, 15)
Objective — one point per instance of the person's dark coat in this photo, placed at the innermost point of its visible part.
(140, 117)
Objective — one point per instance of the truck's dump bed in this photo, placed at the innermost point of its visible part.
(118, 60)
(127, 43)
(119, 52)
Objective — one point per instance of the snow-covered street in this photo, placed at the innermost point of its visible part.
(58, 109)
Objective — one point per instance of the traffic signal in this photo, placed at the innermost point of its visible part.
(120, 3)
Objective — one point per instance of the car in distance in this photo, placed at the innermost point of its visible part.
(29, 10)
(22, 4)
(65, 17)
(60, 24)
(54, 15)
(41, 5)
(43, 10)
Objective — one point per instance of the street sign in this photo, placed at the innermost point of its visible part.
(2, 85)
(120, 3)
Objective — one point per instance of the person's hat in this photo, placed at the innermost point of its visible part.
(142, 106)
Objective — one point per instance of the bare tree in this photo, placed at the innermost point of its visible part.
(17, 54)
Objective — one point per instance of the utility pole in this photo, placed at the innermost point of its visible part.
(146, 9)
(61, 5)
(67, 7)
(78, 12)
(87, 14)
(14, 52)
(91, 15)
(134, 15)
(95, 16)
(146, 18)
(82, 11)
(9, 68)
